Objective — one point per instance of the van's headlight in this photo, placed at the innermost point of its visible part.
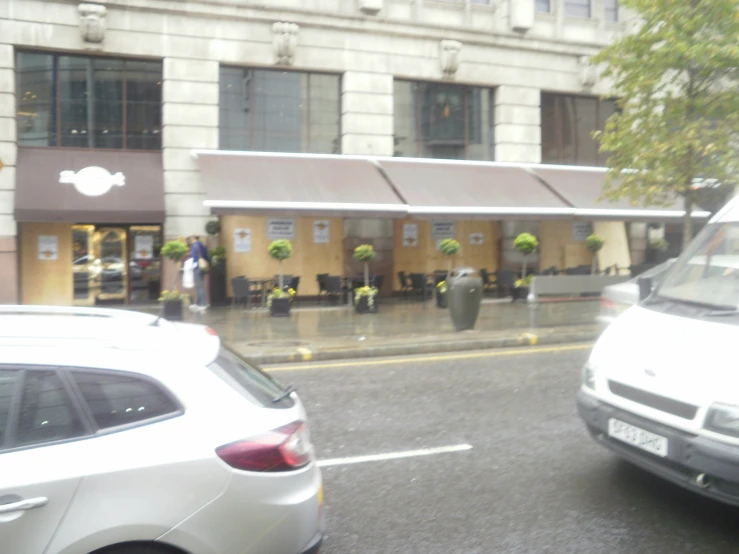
(724, 419)
(588, 376)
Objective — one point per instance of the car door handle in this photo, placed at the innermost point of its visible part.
(23, 505)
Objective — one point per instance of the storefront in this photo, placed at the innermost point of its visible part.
(90, 226)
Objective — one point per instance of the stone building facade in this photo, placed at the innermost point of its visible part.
(368, 70)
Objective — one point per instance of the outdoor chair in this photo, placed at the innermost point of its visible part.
(419, 285)
(286, 279)
(377, 281)
(334, 290)
(405, 285)
(488, 284)
(243, 291)
(321, 278)
(550, 271)
(505, 280)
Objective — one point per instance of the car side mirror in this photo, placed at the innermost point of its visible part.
(645, 287)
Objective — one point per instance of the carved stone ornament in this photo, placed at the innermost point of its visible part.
(370, 7)
(449, 53)
(285, 42)
(92, 22)
(588, 72)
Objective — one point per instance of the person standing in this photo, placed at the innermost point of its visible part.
(199, 254)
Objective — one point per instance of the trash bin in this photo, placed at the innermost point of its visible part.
(464, 297)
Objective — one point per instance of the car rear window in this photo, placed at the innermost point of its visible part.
(249, 380)
(120, 399)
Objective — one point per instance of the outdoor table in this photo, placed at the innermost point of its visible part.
(262, 283)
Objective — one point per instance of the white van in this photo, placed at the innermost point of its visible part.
(661, 387)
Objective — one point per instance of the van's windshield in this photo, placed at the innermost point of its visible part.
(707, 273)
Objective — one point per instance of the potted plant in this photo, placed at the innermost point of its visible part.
(449, 248)
(522, 287)
(526, 244)
(441, 297)
(279, 299)
(594, 243)
(217, 276)
(365, 297)
(213, 228)
(171, 300)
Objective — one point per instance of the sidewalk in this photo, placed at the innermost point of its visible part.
(404, 328)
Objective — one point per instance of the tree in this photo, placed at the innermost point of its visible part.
(281, 250)
(676, 77)
(450, 248)
(594, 243)
(175, 250)
(365, 253)
(526, 244)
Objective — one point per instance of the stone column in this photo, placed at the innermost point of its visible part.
(189, 121)
(367, 113)
(518, 124)
(8, 156)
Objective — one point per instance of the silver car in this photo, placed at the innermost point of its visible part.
(122, 433)
(616, 299)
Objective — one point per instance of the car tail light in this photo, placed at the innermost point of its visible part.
(283, 449)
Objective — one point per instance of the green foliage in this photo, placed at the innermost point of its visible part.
(594, 243)
(213, 228)
(449, 247)
(364, 253)
(660, 245)
(368, 292)
(526, 243)
(175, 250)
(525, 282)
(677, 82)
(218, 255)
(281, 249)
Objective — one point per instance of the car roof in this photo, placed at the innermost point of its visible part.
(29, 334)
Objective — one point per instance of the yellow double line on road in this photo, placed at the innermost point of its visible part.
(438, 358)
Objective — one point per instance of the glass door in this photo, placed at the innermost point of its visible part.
(111, 263)
(83, 269)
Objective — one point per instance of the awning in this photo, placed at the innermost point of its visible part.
(296, 184)
(582, 187)
(455, 189)
(89, 186)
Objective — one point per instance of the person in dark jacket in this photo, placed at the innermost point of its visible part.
(198, 251)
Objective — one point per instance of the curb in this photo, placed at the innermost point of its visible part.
(524, 339)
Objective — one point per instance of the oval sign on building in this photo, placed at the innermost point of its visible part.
(93, 180)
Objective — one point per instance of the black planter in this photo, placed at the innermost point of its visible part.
(217, 285)
(441, 300)
(153, 288)
(172, 310)
(280, 307)
(363, 306)
(520, 293)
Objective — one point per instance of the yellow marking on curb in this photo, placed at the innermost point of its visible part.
(439, 358)
(531, 338)
(305, 354)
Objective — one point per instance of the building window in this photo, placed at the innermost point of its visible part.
(567, 124)
(441, 120)
(611, 10)
(578, 8)
(88, 102)
(543, 6)
(279, 111)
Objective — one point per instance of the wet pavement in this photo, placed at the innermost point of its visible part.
(330, 332)
(533, 482)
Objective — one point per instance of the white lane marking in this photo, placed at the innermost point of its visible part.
(393, 455)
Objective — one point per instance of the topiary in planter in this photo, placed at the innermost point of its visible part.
(281, 250)
(594, 243)
(526, 244)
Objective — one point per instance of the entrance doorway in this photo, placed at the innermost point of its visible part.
(116, 264)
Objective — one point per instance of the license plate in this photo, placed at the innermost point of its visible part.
(635, 436)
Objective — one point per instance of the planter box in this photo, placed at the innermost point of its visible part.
(363, 306)
(520, 293)
(442, 300)
(217, 285)
(280, 307)
(172, 310)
